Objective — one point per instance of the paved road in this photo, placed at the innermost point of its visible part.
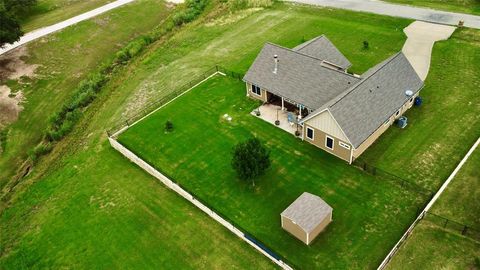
(53, 28)
(419, 44)
(416, 13)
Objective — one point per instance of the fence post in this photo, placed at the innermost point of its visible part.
(464, 231)
(126, 121)
(445, 225)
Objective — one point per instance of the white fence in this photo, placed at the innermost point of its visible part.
(169, 183)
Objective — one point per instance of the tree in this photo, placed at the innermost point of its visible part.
(10, 30)
(11, 12)
(250, 159)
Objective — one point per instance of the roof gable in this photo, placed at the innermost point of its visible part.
(325, 122)
(299, 77)
(361, 110)
(322, 48)
(307, 211)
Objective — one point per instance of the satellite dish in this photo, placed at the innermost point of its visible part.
(409, 93)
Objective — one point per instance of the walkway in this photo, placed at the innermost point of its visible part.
(410, 12)
(418, 47)
(59, 26)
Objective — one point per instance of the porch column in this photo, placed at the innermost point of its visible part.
(283, 106)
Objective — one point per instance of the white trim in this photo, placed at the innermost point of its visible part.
(344, 145)
(333, 142)
(260, 89)
(313, 133)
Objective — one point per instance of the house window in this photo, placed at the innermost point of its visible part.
(256, 90)
(411, 100)
(329, 142)
(344, 145)
(397, 113)
(310, 133)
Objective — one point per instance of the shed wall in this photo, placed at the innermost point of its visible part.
(315, 232)
(294, 229)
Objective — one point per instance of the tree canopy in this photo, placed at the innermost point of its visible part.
(10, 12)
(250, 159)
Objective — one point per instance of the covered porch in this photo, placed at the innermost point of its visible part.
(283, 119)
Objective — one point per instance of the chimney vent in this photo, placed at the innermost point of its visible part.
(275, 58)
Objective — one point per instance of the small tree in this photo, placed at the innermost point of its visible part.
(168, 126)
(250, 159)
(366, 45)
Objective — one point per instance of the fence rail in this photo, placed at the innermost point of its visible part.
(202, 205)
(452, 225)
(152, 106)
(392, 177)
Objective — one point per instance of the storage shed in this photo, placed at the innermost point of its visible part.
(306, 217)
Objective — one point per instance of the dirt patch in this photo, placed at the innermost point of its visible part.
(10, 105)
(13, 67)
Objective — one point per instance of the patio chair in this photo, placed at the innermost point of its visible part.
(291, 118)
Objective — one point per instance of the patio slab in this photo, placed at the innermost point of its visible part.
(268, 113)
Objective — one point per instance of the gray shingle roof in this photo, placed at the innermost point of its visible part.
(361, 110)
(307, 211)
(300, 77)
(322, 48)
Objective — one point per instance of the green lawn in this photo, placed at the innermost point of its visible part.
(431, 246)
(369, 214)
(462, 6)
(464, 193)
(64, 59)
(441, 131)
(48, 12)
(83, 165)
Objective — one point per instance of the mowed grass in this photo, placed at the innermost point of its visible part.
(430, 246)
(440, 132)
(64, 59)
(35, 208)
(369, 214)
(464, 193)
(462, 6)
(111, 215)
(48, 12)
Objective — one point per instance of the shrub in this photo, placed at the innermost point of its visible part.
(250, 159)
(366, 45)
(40, 150)
(168, 126)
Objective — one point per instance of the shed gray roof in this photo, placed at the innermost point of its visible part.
(307, 211)
(361, 110)
(322, 48)
(300, 77)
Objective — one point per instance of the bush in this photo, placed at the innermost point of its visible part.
(40, 150)
(250, 159)
(168, 126)
(366, 45)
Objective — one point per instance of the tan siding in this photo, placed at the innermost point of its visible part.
(320, 138)
(315, 232)
(294, 229)
(325, 122)
(370, 140)
(262, 97)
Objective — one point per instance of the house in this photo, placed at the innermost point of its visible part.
(306, 217)
(338, 112)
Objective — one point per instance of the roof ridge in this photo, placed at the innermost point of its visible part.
(309, 56)
(350, 90)
(309, 42)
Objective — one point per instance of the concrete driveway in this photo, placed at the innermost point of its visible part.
(419, 44)
(395, 10)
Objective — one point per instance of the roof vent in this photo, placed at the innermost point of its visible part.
(275, 58)
(409, 93)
